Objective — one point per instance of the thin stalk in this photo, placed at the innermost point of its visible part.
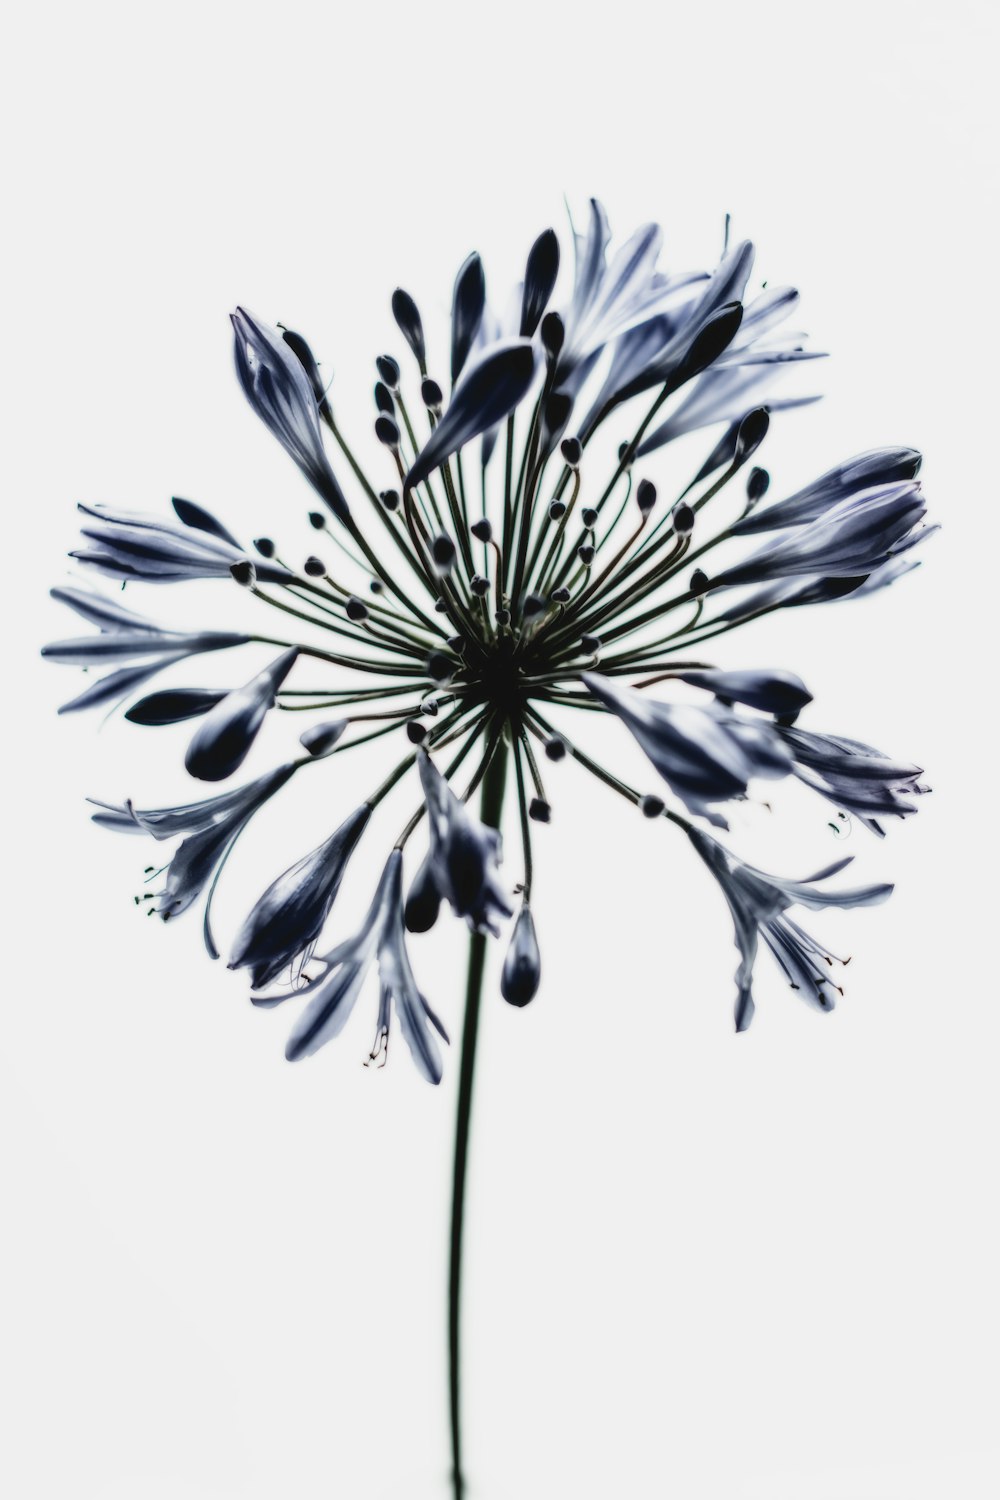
(494, 784)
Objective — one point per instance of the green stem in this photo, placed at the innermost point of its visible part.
(494, 784)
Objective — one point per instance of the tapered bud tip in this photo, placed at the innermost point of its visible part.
(321, 738)
(314, 567)
(555, 748)
(590, 517)
(390, 499)
(388, 371)
(440, 668)
(591, 644)
(752, 432)
(479, 585)
(682, 518)
(443, 553)
(539, 810)
(553, 334)
(651, 806)
(560, 595)
(416, 733)
(383, 398)
(572, 451)
(317, 520)
(431, 394)
(757, 484)
(265, 546)
(645, 496)
(244, 572)
(585, 553)
(386, 431)
(557, 508)
(482, 530)
(356, 609)
(404, 310)
(699, 581)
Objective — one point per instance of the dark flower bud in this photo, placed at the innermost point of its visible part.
(388, 371)
(443, 553)
(431, 394)
(423, 901)
(479, 585)
(482, 530)
(699, 581)
(316, 520)
(522, 967)
(319, 739)
(682, 518)
(539, 279)
(244, 572)
(585, 553)
(390, 499)
(557, 508)
(383, 399)
(561, 595)
(539, 810)
(440, 605)
(416, 732)
(387, 432)
(651, 807)
(757, 485)
(533, 606)
(440, 668)
(265, 546)
(645, 497)
(555, 748)
(591, 644)
(502, 617)
(467, 304)
(356, 609)
(557, 410)
(307, 360)
(553, 334)
(314, 567)
(404, 310)
(572, 451)
(590, 517)
(752, 432)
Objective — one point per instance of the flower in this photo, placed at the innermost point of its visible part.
(469, 614)
(759, 903)
(381, 939)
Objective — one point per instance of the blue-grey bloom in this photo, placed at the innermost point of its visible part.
(705, 755)
(854, 776)
(281, 393)
(285, 923)
(849, 541)
(129, 545)
(464, 855)
(222, 740)
(759, 904)
(125, 638)
(331, 998)
(459, 619)
(522, 967)
(881, 466)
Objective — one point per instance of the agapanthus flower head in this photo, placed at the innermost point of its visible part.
(484, 581)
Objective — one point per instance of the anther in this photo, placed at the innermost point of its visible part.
(416, 733)
(356, 610)
(557, 508)
(757, 484)
(539, 810)
(645, 497)
(388, 370)
(651, 806)
(244, 572)
(479, 585)
(699, 581)
(533, 606)
(383, 399)
(561, 595)
(440, 668)
(585, 553)
(482, 530)
(314, 567)
(682, 518)
(572, 451)
(265, 546)
(390, 499)
(443, 553)
(432, 395)
(555, 748)
(387, 432)
(590, 644)
(316, 520)
(590, 517)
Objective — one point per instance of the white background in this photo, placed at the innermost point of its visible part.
(699, 1265)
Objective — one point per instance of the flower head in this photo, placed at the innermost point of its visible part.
(471, 612)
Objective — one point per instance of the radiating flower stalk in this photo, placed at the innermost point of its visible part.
(486, 582)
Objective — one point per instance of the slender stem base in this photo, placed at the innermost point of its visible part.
(494, 784)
